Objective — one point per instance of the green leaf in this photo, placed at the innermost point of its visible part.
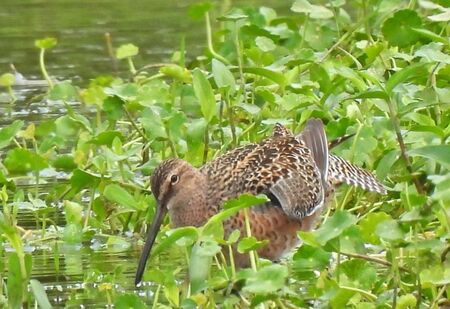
(397, 29)
(430, 35)
(199, 267)
(64, 91)
(233, 15)
(117, 194)
(386, 163)
(83, 179)
(442, 190)
(15, 283)
(177, 72)
(334, 226)
(126, 51)
(405, 74)
(73, 233)
(265, 44)
(223, 76)
(252, 109)
(127, 91)
(266, 280)
(7, 80)
(204, 93)
(46, 43)
(113, 107)
(107, 137)
(21, 160)
(73, 212)
(198, 10)
(208, 247)
(432, 53)
(435, 275)
(360, 273)
(438, 153)
(314, 11)
(247, 244)
(232, 207)
(7, 133)
(390, 230)
(272, 75)
(129, 301)
(174, 236)
(406, 301)
(309, 258)
(370, 94)
(368, 226)
(39, 294)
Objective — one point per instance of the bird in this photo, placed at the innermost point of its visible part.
(295, 171)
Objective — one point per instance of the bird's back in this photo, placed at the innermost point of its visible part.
(256, 168)
(295, 172)
(286, 159)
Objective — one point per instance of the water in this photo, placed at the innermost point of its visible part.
(79, 275)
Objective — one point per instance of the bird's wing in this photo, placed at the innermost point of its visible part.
(281, 166)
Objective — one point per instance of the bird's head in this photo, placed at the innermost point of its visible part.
(172, 183)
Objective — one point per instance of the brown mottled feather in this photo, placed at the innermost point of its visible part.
(296, 172)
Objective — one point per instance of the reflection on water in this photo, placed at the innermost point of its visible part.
(89, 274)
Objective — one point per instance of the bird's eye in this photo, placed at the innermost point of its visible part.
(174, 179)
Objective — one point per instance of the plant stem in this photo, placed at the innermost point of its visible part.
(155, 299)
(305, 26)
(368, 295)
(206, 142)
(232, 264)
(373, 259)
(131, 66)
(109, 48)
(231, 120)
(396, 124)
(438, 296)
(134, 125)
(43, 69)
(249, 234)
(88, 212)
(209, 40)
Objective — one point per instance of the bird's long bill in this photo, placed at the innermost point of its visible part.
(161, 211)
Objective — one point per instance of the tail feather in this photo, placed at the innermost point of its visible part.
(343, 171)
(315, 139)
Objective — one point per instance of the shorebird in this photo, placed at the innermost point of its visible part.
(296, 173)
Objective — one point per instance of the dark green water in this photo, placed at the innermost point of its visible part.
(90, 274)
(156, 26)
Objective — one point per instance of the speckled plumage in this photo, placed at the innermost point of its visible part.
(294, 171)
